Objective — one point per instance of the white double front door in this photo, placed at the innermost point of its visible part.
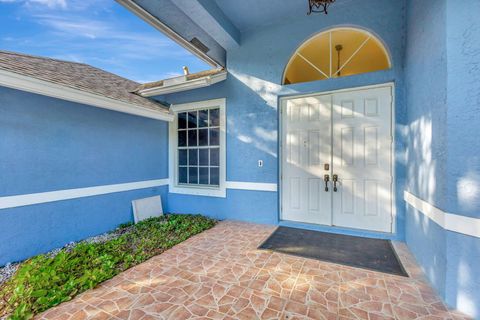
(344, 136)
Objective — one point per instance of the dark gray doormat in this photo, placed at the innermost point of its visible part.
(373, 254)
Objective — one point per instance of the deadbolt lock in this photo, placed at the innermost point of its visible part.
(326, 167)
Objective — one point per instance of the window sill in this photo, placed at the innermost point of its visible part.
(219, 192)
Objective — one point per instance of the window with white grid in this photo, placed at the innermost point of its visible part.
(197, 148)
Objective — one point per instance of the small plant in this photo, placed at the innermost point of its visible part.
(125, 225)
(43, 282)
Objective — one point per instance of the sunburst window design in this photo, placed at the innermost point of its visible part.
(336, 53)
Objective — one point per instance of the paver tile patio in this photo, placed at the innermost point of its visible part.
(220, 274)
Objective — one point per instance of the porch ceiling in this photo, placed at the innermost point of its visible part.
(249, 15)
(218, 24)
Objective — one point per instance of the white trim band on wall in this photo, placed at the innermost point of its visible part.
(448, 221)
(51, 196)
(59, 195)
(253, 186)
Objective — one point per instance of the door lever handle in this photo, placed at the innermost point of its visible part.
(326, 178)
(335, 180)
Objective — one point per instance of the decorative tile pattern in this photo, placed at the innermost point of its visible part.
(220, 274)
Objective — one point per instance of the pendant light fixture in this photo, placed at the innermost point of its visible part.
(319, 6)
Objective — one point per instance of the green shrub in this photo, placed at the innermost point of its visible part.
(43, 282)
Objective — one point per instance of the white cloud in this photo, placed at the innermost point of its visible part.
(152, 78)
(73, 26)
(171, 74)
(76, 25)
(69, 57)
(50, 3)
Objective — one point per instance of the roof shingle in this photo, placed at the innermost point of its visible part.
(78, 76)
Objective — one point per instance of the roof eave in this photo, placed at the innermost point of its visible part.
(46, 88)
(169, 32)
(184, 86)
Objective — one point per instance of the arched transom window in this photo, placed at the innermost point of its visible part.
(336, 53)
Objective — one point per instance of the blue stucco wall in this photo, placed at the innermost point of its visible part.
(443, 97)
(253, 89)
(463, 51)
(426, 87)
(463, 152)
(427, 241)
(463, 273)
(48, 144)
(246, 205)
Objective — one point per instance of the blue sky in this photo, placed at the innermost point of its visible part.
(99, 32)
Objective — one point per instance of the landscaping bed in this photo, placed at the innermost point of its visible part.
(47, 280)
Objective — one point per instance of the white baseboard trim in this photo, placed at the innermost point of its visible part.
(448, 221)
(254, 186)
(51, 196)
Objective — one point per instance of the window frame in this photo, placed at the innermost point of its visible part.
(198, 189)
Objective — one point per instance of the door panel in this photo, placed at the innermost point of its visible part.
(362, 147)
(306, 136)
(347, 146)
